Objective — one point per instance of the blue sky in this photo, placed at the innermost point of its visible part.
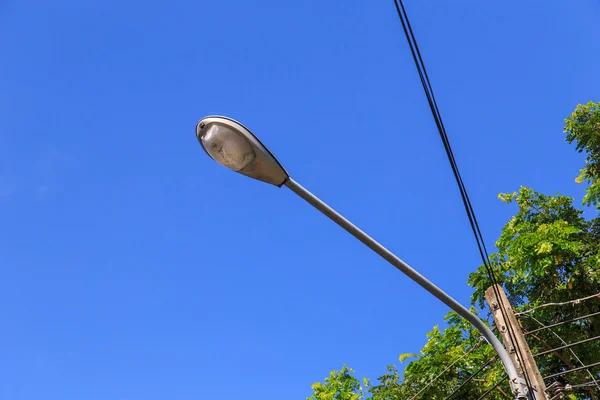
(136, 268)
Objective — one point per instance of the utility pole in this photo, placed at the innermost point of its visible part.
(528, 364)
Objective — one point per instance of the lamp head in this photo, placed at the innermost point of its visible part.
(232, 145)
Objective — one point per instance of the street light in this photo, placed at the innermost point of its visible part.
(232, 145)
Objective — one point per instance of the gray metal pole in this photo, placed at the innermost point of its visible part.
(515, 382)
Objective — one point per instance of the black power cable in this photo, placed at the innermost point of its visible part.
(416, 53)
(571, 370)
(470, 378)
(566, 346)
(561, 323)
(492, 388)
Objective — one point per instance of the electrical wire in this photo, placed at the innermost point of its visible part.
(492, 388)
(571, 370)
(559, 323)
(473, 375)
(422, 71)
(564, 303)
(478, 344)
(571, 350)
(581, 385)
(566, 346)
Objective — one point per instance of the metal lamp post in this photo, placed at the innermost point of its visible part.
(233, 145)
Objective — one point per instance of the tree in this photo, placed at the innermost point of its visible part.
(583, 127)
(340, 385)
(547, 253)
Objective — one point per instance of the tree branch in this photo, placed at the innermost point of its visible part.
(503, 393)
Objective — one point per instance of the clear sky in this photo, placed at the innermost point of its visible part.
(136, 268)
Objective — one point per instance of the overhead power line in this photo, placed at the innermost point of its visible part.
(581, 385)
(492, 388)
(564, 303)
(473, 375)
(560, 323)
(571, 370)
(478, 344)
(565, 343)
(424, 77)
(566, 346)
(422, 71)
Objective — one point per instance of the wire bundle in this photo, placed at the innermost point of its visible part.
(422, 71)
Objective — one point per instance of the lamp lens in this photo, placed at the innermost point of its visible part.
(227, 146)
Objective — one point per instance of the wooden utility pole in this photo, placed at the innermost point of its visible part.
(528, 363)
